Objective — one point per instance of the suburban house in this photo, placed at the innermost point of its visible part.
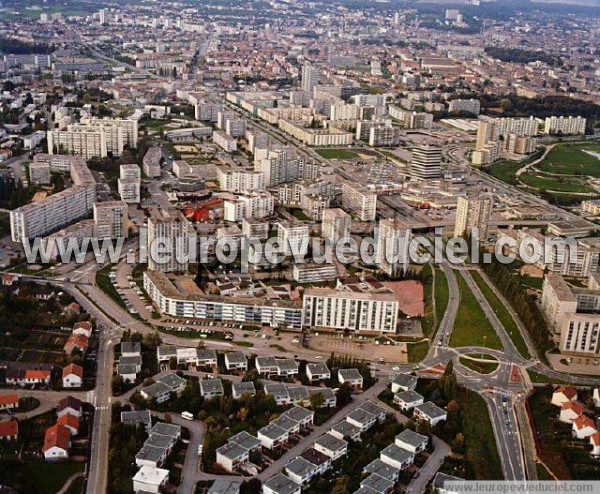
(230, 455)
(271, 436)
(76, 342)
(283, 367)
(320, 460)
(303, 416)
(404, 382)
(83, 327)
(151, 456)
(299, 395)
(246, 441)
(430, 412)
(361, 419)
(439, 483)
(71, 422)
(406, 400)
(206, 358)
(156, 391)
(563, 394)
(131, 348)
(69, 405)
(570, 410)
(286, 423)
(280, 484)
(9, 401)
(243, 388)
(210, 388)
(383, 469)
(317, 372)
(373, 409)
(9, 430)
(330, 399)
(236, 361)
(331, 446)
(352, 377)
(397, 457)
(150, 479)
(279, 391)
(57, 441)
(176, 383)
(411, 441)
(300, 470)
(136, 417)
(583, 427)
(345, 430)
(128, 372)
(224, 486)
(378, 484)
(72, 376)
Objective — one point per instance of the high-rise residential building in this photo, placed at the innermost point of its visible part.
(310, 78)
(168, 244)
(111, 220)
(336, 225)
(565, 125)
(241, 181)
(249, 206)
(471, 213)
(152, 161)
(426, 162)
(472, 106)
(129, 183)
(392, 246)
(83, 141)
(359, 202)
(128, 126)
(292, 239)
(283, 165)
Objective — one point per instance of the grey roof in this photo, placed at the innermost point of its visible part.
(159, 441)
(285, 423)
(372, 408)
(317, 368)
(166, 351)
(150, 453)
(315, 456)
(361, 416)
(236, 358)
(136, 417)
(131, 347)
(276, 389)
(156, 389)
(346, 429)
(300, 466)
(272, 431)
(137, 360)
(431, 409)
(282, 484)
(298, 413)
(223, 486)
(266, 362)
(365, 490)
(411, 437)
(164, 429)
(327, 393)
(211, 386)
(377, 483)
(244, 387)
(232, 451)
(406, 381)
(126, 369)
(172, 380)
(331, 443)
(349, 374)
(441, 478)
(383, 469)
(397, 453)
(409, 396)
(206, 354)
(298, 393)
(246, 440)
(286, 364)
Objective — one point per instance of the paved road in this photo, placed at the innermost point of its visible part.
(418, 484)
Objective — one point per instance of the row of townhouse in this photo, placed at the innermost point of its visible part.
(57, 438)
(130, 361)
(164, 388)
(284, 394)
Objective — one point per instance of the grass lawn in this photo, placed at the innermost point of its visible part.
(538, 378)
(571, 159)
(38, 476)
(442, 295)
(481, 367)
(104, 283)
(340, 154)
(505, 171)
(471, 326)
(417, 351)
(559, 184)
(503, 315)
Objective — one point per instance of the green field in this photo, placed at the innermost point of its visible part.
(538, 378)
(481, 367)
(559, 184)
(339, 154)
(503, 315)
(570, 159)
(505, 171)
(442, 295)
(471, 326)
(417, 351)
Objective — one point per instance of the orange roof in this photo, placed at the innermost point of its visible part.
(37, 374)
(57, 436)
(10, 428)
(582, 422)
(77, 340)
(73, 369)
(569, 391)
(595, 438)
(9, 399)
(576, 406)
(69, 420)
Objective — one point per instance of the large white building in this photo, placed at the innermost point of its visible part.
(335, 225)
(49, 215)
(359, 202)
(129, 183)
(392, 246)
(283, 165)
(111, 220)
(292, 238)
(249, 206)
(565, 125)
(471, 213)
(426, 162)
(168, 248)
(310, 78)
(241, 181)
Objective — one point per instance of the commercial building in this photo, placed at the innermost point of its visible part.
(426, 162)
(471, 213)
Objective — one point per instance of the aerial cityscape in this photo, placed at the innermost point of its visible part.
(292, 246)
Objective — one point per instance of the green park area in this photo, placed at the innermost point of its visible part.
(436, 294)
(337, 154)
(577, 158)
(471, 326)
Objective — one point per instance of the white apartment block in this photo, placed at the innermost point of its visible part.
(565, 125)
(283, 165)
(48, 215)
(111, 220)
(249, 206)
(151, 162)
(411, 119)
(359, 202)
(224, 141)
(83, 141)
(472, 106)
(344, 310)
(392, 245)
(314, 273)
(292, 239)
(330, 136)
(255, 229)
(473, 213)
(335, 224)
(241, 181)
(39, 172)
(129, 127)
(129, 183)
(170, 235)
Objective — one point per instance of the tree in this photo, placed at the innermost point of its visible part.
(342, 485)
(317, 400)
